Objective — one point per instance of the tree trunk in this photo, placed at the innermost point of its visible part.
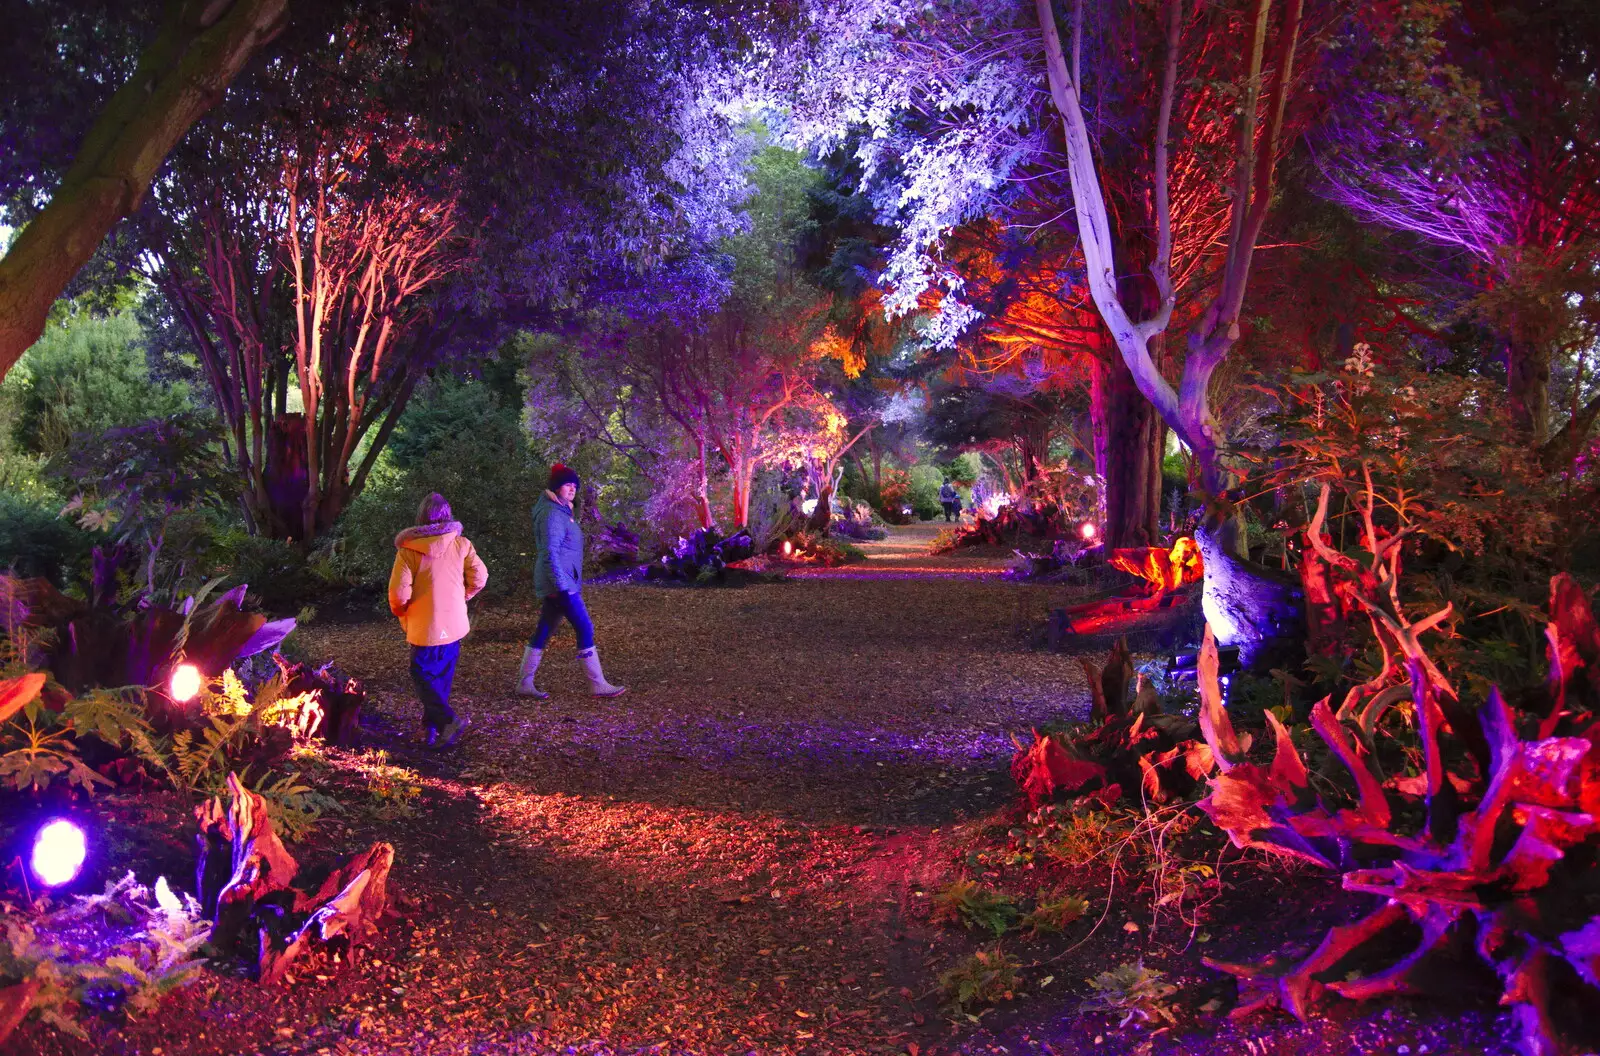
(1256, 608)
(200, 48)
(1528, 383)
(702, 486)
(1128, 436)
(822, 515)
(742, 471)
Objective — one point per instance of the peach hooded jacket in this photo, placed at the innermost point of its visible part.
(435, 571)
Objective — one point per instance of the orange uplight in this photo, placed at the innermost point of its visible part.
(185, 683)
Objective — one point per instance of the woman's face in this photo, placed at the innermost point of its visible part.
(568, 492)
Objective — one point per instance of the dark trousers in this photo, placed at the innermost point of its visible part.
(949, 510)
(433, 672)
(554, 607)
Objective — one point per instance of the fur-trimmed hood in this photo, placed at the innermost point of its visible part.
(424, 537)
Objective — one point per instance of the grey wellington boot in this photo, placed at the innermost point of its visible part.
(590, 659)
(530, 667)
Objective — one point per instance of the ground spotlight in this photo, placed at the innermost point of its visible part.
(788, 548)
(1088, 531)
(59, 850)
(185, 683)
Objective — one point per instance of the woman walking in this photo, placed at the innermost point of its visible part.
(435, 572)
(558, 583)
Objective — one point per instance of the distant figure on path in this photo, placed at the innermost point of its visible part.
(558, 583)
(950, 499)
(436, 571)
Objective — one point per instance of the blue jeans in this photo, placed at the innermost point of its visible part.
(433, 672)
(554, 607)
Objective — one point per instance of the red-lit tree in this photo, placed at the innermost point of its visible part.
(308, 278)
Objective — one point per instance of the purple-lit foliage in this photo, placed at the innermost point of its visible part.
(1483, 140)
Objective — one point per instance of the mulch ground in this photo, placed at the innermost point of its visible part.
(738, 855)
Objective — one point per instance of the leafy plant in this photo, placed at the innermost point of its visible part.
(987, 977)
(1053, 916)
(296, 807)
(1074, 835)
(1134, 991)
(45, 754)
(391, 790)
(234, 722)
(117, 718)
(144, 945)
(158, 489)
(827, 551)
(971, 904)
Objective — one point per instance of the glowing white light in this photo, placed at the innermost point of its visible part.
(992, 504)
(906, 510)
(808, 507)
(59, 850)
(1088, 531)
(788, 548)
(185, 683)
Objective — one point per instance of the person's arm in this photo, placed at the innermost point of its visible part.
(400, 584)
(565, 581)
(543, 548)
(477, 572)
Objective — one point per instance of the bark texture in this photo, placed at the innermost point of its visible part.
(1528, 384)
(200, 48)
(1128, 439)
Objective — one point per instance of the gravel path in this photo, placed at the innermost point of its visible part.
(733, 858)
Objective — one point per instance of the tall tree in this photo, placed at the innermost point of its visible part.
(306, 270)
(946, 108)
(199, 49)
(950, 115)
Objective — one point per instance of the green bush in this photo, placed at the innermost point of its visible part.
(491, 478)
(86, 375)
(437, 415)
(965, 469)
(278, 574)
(1174, 473)
(35, 541)
(924, 497)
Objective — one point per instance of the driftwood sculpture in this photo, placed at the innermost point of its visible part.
(241, 862)
(339, 701)
(1133, 746)
(345, 912)
(16, 1001)
(1161, 568)
(244, 877)
(1506, 867)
